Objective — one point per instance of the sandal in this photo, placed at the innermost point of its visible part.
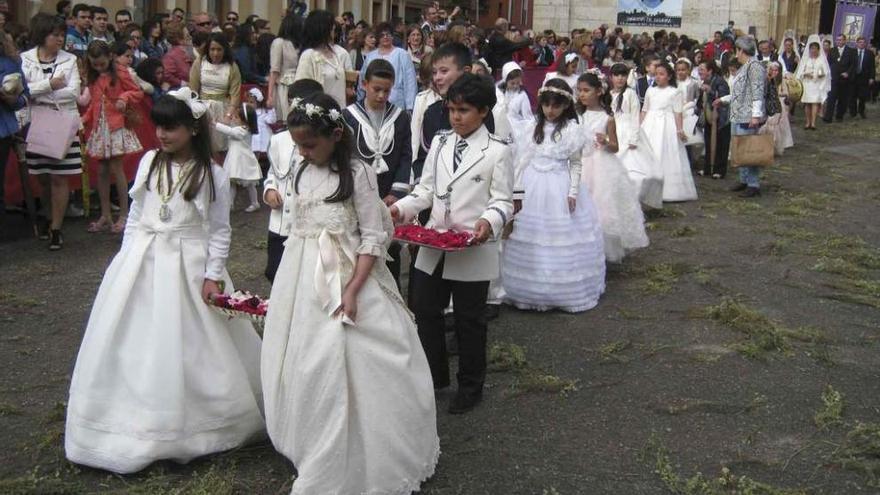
(102, 225)
(119, 226)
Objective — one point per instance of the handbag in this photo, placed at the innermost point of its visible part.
(52, 131)
(754, 150)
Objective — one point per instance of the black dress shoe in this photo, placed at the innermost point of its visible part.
(465, 402)
(492, 311)
(750, 192)
(739, 187)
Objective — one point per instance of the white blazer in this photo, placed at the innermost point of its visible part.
(283, 160)
(481, 188)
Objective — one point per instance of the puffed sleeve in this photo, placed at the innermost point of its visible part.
(219, 231)
(138, 188)
(370, 211)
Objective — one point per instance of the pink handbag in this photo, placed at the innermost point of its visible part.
(51, 132)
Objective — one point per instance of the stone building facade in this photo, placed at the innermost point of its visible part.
(700, 18)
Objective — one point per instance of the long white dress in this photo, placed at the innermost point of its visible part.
(661, 105)
(553, 258)
(160, 375)
(613, 193)
(352, 405)
(260, 140)
(635, 150)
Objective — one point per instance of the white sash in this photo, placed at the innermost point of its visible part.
(378, 144)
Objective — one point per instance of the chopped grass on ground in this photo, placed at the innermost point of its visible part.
(505, 356)
(804, 204)
(216, 480)
(832, 408)
(686, 231)
(666, 212)
(612, 351)
(861, 451)
(9, 410)
(656, 455)
(39, 482)
(662, 277)
(688, 405)
(763, 335)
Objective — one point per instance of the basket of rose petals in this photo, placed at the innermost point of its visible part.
(449, 240)
(242, 304)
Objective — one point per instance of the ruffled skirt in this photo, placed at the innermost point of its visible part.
(678, 182)
(554, 259)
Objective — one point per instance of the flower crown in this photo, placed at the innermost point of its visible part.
(551, 89)
(313, 111)
(599, 75)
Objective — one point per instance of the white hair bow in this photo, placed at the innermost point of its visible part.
(570, 57)
(188, 96)
(257, 94)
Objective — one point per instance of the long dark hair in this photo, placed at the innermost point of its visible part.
(554, 98)
(98, 49)
(248, 116)
(291, 29)
(619, 70)
(669, 72)
(318, 29)
(146, 70)
(171, 113)
(593, 81)
(221, 40)
(324, 126)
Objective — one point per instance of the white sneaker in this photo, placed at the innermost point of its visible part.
(252, 208)
(73, 211)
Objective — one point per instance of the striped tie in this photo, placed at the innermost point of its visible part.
(460, 146)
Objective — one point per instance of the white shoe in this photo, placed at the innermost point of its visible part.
(252, 208)
(73, 211)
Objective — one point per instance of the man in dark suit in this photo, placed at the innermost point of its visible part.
(864, 78)
(646, 78)
(843, 69)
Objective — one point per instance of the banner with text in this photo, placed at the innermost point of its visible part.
(657, 13)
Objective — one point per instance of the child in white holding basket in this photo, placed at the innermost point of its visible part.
(160, 375)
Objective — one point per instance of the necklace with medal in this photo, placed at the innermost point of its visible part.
(166, 195)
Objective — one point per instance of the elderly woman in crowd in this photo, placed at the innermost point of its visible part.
(177, 62)
(403, 92)
(747, 113)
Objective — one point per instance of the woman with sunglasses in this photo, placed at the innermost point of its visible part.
(403, 93)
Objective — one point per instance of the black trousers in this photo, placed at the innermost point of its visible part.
(837, 102)
(274, 250)
(394, 263)
(428, 297)
(861, 95)
(722, 150)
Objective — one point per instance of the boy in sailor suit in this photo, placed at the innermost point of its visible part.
(382, 138)
(467, 181)
(278, 186)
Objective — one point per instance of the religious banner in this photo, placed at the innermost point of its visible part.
(854, 19)
(658, 13)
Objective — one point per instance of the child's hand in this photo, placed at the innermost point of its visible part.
(517, 205)
(273, 199)
(395, 213)
(166, 87)
(389, 200)
(601, 140)
(210, 288)
(482, 231)
(348, 306)
(572, 204)
(120, 105)
(57, 83)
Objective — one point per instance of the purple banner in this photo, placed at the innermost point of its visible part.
(854, 20)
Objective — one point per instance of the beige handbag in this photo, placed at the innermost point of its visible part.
(754, 150)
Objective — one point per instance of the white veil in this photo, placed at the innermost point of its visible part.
(822, 59)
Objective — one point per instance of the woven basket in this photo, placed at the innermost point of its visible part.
(259, 321)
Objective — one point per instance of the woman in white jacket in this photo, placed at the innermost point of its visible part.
(52, 77)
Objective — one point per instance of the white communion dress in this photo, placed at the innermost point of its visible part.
(159, 374)
(661, 105)
(350, 403)
(635, 150)
(613, 193)
(553, 259)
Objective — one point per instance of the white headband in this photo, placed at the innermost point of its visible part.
(315, 111)
(551, 89)
(188, 96)
(257, 94)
